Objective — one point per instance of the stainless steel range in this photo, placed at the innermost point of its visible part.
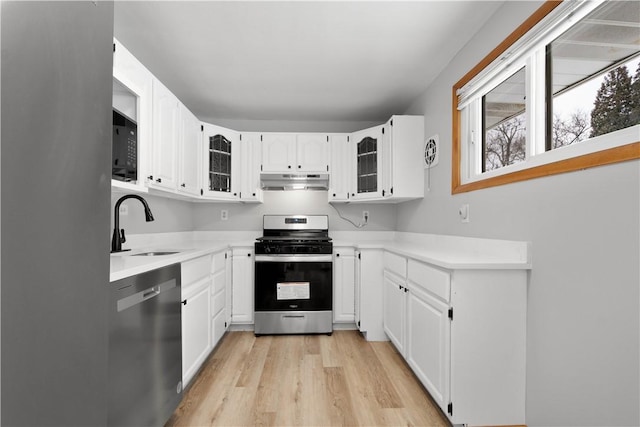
(294, 276)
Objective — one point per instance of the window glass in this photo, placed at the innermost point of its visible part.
(219, 164)
(367, 165)
(504, 123)
(594, 73)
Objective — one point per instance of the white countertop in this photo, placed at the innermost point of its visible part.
(125, 264)
(450, 252)
(457, 260)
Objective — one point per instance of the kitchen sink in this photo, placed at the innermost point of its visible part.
(156, 253)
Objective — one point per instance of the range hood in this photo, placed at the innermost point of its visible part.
(294, 181)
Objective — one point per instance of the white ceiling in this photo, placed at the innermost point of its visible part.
(298, 60)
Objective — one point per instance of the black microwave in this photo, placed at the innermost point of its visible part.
(124, 156)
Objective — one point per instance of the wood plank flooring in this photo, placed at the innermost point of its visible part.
(305, 380)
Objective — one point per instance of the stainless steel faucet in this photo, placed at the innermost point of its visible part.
(118, 234)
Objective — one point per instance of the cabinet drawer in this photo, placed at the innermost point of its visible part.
(187, 292)
(218, 262)
(219, 281)
(395, 264)
(435, 281)
(217, 303)
(195, 269)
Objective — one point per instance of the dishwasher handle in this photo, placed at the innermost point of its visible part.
(145, 295)
(150, 293)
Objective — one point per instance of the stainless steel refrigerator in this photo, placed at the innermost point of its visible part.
(55, 173)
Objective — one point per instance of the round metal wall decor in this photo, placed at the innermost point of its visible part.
(431, 152)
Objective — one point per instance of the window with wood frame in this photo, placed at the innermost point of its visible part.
(561, 93)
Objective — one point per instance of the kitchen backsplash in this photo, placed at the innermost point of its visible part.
(179, 216)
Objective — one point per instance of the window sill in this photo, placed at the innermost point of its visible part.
(621, 153)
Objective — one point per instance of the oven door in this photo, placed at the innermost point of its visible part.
(293, 282)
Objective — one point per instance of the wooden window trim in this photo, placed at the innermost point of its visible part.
(614, 155)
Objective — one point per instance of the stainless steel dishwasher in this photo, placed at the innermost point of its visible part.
(145, 348)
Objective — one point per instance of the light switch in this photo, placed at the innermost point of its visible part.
(464, 213)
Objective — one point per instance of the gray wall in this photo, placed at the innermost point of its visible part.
(176, 215)
(56, 133)
(244, 217)
(170, 215)
(583, 296)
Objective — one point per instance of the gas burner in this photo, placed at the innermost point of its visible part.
(295, 234)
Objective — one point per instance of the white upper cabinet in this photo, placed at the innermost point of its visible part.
(221, 148)
(190, 150)
(402, 158)
(367, 174)
(290, 152)
(132, 96)
(166, 134)
(340, 168)
(380, 164)
(278, 152)
(388, 163)
(250, 158)
(312, 152)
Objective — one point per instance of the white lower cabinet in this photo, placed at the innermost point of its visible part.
(427, 349)
(242, 295)
(463, 333)
(219, 296)
(229, 288)
(395, 310)
(344, 277)
(369, 291)
(196, 327)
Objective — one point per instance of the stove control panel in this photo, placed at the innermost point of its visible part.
(263, 248)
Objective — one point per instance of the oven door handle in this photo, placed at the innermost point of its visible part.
(294, 258)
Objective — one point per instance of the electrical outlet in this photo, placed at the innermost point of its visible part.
(224, 214)
(365, 216)
(464, 213)
(124, 210)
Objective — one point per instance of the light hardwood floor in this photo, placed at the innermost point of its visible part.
(305, 380)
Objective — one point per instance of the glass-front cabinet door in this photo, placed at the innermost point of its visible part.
(367, 145)
(221, 165)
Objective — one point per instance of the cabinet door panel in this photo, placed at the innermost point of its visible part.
(340, 168)
(189, 169)
(428, 344)
(242, 298)
(217, 303)
(278, 152)
(219, 281)
(344, 286)
(394, 306)
(387, 160)
(312, 152)
(228, 292)
(221, 163)
(166, 133)
(367, 146)
(357, 292)
(251, 158)
(196, 333)
(218, 327)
